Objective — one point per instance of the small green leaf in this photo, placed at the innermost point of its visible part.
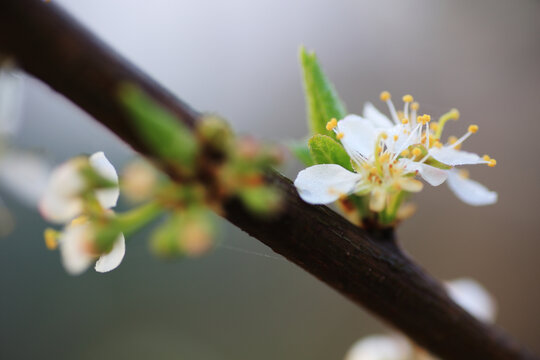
(158, 128)
(322, 100)
(325, 150)
(301, 151)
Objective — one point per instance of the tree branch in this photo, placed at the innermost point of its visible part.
(368, 268)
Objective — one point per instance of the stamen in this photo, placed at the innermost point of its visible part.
(340, 135)
(331, 124)
(492, 162)
(416, 152)
(385, 96)
(51, 239)
(472, 129)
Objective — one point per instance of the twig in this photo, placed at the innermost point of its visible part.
(368, 268)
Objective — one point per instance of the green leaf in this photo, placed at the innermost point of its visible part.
(301, 151)
(325, 150)
(322, 100)
(158, 128)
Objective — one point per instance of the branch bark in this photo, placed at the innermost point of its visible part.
(368, 268)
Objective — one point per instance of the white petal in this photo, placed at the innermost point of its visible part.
(106, 197)
(110, 261)
(473, 297)
(432, 175)
(325, 183)
(74, 248)
(25, 175)
(359, 135)
(453, 157)
(380, 347)
(11, 90)
(377, 118)
(470, 191)
(377, 202)
(61, 202)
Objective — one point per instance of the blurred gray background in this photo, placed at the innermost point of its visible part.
(239, 58)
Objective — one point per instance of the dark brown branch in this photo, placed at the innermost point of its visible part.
(367, 268)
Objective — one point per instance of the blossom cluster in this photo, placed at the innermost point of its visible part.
(388, 156)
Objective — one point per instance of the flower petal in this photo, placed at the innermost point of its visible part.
(325, 183)
(11, 91)
(377, 202)
(473, 297)
(377, 118)
(359, 136)
(25, 175)
(470, 191)
(106, 197)
(453, 157)
(60, 202)
(74, 248)
(111, 260)
(380, 347)
(430, 174)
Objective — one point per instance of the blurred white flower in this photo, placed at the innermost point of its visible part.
(22, 172)
(64, 201)
(77, 249)
(467, 293)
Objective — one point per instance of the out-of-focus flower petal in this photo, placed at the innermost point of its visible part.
(453, 157)
(325, 183)
(380, 347)
(469, 191)
(377, 202)
(106, 197)
(111, 260)
(11, 88)
(75, 243)
(25, 175)
(359, 136)
(473, 297)
(61, 201)
(377, 118)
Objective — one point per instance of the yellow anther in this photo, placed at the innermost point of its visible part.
(434, 126)
(427, 118)
(417, 152)
(438, 144)
(384, 136)
(492, 162)
(405, 153)
(473, 128)
(385, 96)
(464, 174)
(404, 121)
(396, 137)
(452, 139)
(331, 124)
(80, 220)
(51, 239)
(408, 98)
(384, 157)
(486, 157)
(415, 106)
(340, 135)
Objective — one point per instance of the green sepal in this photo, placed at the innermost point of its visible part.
(159, 129)
(325, 150)
(436, 163)
(323, 102)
